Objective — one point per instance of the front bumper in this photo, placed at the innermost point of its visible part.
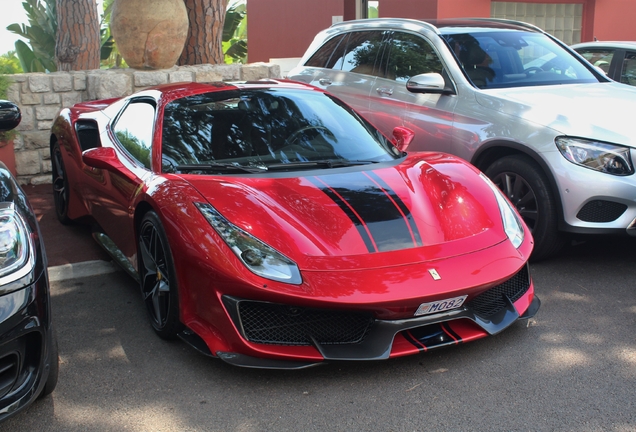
(594, 202)
(26, 341)
(487, 314)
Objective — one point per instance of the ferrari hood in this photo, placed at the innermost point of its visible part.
(437, 203)
(596, 111)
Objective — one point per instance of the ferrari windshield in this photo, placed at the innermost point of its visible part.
(509, 58)
(260, 128)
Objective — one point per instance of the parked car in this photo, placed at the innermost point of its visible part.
(616, 59)
(548, 128)
(271, 226)
(28, 346)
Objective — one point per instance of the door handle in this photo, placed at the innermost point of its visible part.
(384, 91)
(325, 81)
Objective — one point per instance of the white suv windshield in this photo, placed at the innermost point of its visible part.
(508, 58)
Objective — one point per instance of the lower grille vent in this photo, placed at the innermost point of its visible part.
(601, 211)
(8, 372)
(492, 301)
(269, 323)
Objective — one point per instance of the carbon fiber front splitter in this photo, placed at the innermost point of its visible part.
(378, 342)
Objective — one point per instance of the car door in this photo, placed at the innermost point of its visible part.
(112, 196)
(345, 67)
(430, 116)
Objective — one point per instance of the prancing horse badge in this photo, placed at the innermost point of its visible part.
(434, 274)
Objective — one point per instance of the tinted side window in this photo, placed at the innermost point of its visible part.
(601, 58)
(360, 53)
(628, 73)
(133, 130)
(410, 55)
(323, 56)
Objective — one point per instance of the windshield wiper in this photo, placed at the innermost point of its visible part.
(319, 164)
(220, 167)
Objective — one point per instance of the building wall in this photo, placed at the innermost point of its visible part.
(426, 9)
(285, 28)
(562, 20)
(614, 20)
(434, 9)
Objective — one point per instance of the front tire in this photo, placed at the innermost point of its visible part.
(526, 186)
(61, 192)
(158, 277)
(54, 366)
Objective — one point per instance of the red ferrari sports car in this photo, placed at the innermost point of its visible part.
(269, 225)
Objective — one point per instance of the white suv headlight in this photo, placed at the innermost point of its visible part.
(599, 156)
(511, 223)
(16, 251)
(257, 256)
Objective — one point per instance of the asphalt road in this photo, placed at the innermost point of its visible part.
(572, 367)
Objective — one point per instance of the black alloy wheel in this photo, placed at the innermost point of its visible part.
(527, 188)
(60, 185)
(158, 277)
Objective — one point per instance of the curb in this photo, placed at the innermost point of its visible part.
(81, 269)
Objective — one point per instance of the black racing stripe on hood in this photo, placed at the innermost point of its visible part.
(406, 213)
(355, 219)
(372, 208)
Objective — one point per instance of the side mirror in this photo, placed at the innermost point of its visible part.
(402, 137)
(103, 158)
(10, 115)
(427, 83)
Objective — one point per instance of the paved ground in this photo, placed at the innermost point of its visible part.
(573, 368)
(64, 244)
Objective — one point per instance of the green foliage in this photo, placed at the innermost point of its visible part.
(373, 12)
(5, 82)
(40, 33)
(39, 54)
(10, 64)
(109, 54)
(235, 33)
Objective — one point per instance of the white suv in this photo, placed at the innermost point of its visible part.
(550, 129)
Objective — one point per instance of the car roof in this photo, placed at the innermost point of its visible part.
(180, 89)
(606, 44)
(443, 26)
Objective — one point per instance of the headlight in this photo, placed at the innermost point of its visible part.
(512, 225)
(599, 156)
(256, 255)
(15, 247)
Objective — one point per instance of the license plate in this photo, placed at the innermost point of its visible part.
(440, 306)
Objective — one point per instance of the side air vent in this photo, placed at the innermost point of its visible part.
(87, 135)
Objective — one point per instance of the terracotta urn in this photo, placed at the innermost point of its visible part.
(150, 34)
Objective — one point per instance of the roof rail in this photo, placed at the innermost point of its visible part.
(509, 21)
(380, 21)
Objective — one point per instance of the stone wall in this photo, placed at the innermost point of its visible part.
(41, 96)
